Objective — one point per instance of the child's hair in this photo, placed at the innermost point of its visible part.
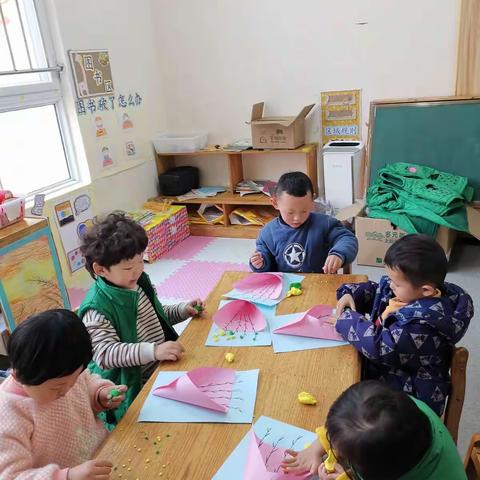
(420, 258)
(377, 432)
(48, 345)
(296, 184)
(114, 239)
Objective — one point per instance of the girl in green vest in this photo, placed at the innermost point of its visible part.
(375, 433)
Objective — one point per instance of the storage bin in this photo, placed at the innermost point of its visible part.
(12, 210)
(179, 142)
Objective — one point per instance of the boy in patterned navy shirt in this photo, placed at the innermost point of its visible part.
(415, 319)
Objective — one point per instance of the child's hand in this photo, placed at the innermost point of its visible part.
(111, 397)
(256, 259)
(307, 460)
(91, 470)
(196, 308)
(332, 264)
(324, 475)
(346, 301)
(171, 351)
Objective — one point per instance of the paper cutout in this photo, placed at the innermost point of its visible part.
(64, 213)
(248, 459)
(264, 461)
(312, 324)
(287, 279)
(240, 409)
(38, 204)
(205, 387)
(261, 285)
(234, 338)
(240, 316)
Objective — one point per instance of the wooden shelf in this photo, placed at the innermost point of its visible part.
(230, 231)
(228, 200)
(224, 198)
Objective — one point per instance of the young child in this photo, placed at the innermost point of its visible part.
(301, 240)
(49, 404)
(415, 320)
(131, 331)
(375, 433)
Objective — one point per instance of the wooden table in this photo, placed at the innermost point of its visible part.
(196, 451)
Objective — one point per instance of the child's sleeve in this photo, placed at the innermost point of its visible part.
(342, 241)
(16, 450)
(374, 343)
(94, 385)
(176, 313)
(363, 294)
(108, 351)
(269, 262)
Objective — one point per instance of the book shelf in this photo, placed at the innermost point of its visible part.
(229, 200)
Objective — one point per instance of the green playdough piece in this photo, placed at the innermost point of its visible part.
(114, 393)
(230, 332)
(296, 285)
(198, 308)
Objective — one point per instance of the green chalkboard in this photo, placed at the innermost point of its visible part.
(441, 134)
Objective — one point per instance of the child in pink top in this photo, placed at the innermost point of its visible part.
(49, 428)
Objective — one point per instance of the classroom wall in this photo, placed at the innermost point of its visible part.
(218, 57)
(124, 28)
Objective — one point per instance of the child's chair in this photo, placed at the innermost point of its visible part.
(458, 373)
(472, 458)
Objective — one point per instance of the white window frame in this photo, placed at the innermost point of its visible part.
(50, 92)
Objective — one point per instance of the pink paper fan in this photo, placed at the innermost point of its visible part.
(262, 285)
(205, 387)
(264, 461)
(240, 316)
(313, 324)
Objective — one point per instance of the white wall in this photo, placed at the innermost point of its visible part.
(218, 57)
(125, 28)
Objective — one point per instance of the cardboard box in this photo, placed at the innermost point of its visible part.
(376, 235)
(278, 132)
(166, 226)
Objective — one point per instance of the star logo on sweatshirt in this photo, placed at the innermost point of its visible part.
(294, 255)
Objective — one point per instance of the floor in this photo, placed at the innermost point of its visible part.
(192, 269)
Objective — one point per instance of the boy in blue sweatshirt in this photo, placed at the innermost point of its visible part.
(301, 240)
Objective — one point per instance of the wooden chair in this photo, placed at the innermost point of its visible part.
(472, 458)
(458, 373)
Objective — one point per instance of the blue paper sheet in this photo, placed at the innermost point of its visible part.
(242, 405)
(292, 343)
(288, 278)
(262, 338)
(287, 436)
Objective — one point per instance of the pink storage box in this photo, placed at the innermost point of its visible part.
(11, 211)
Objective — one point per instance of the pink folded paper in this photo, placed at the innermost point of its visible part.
(313, 324)
(264, 461)
(206, 387)
(262, 285)
(240, 316)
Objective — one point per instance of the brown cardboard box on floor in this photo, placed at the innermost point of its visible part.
(278, 132)
(375, 235)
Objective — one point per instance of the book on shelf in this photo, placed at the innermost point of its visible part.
(246, 187)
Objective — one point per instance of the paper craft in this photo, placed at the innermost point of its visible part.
(260, 453)
(236, 334)
(240, 316)
(240, 409)
(206, 387)
(262, 285)
(254, 296)
(292, 343)
(312, 324)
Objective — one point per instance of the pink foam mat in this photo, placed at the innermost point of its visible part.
(187, 249)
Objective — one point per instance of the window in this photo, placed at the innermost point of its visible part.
(36, 153)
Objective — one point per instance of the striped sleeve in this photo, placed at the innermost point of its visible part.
(176, 313)
(108, 351)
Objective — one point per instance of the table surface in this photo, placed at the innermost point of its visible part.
(196, 451)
